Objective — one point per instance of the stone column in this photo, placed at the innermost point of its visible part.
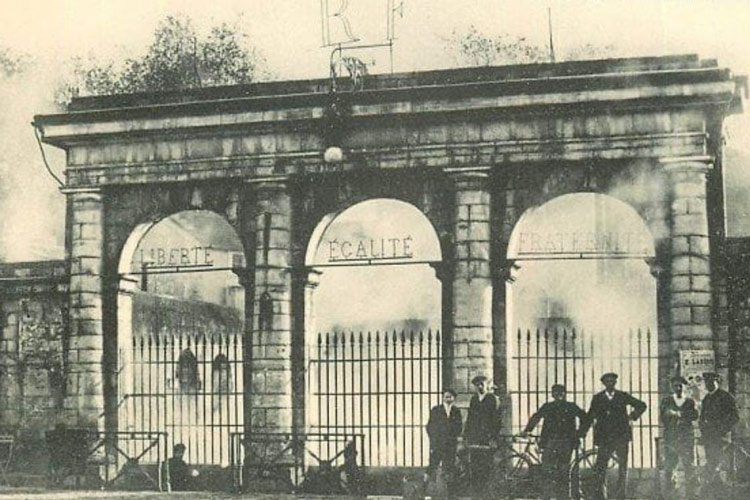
(271, 395)
(690, 277)
(471, 335)
(305, 281)
(84, 400)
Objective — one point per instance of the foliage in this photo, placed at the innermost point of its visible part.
(178, 58)
(12, 63)
(474, 48)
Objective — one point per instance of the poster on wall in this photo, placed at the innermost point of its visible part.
(693, 363)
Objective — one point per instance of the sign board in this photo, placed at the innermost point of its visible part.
(693, 363)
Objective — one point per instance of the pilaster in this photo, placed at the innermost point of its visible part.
(84, 400)
(271, 396)
(471, 349)
(690, 264)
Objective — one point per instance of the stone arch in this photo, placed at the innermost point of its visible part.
(327, 220)
(641, 184)
(322, 200)
(378, 299)
(132, 208)
(574, 250)
(625, 212)
(187, 324)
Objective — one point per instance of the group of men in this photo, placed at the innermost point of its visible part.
(611, 413)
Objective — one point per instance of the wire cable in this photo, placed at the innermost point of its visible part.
(44, 157)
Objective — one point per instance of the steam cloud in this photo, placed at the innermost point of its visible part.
(32, 225)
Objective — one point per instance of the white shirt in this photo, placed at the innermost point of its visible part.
(679, 401)
(482, 396)
(447, 409)
(610, 396)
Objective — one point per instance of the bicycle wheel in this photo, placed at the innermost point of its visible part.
(512, 476)
(583, 480)
(733, 473)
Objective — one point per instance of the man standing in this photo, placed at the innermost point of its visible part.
(612, 431)
(558, 440)
(678, 412)
(481, 431)
(443, 428)
(718, 417)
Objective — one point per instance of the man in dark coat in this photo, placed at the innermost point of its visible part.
(718, 416)
(612, 431)
(678, 412)
(444, 428)
(558, 440)
(179, 476)
(481, 431)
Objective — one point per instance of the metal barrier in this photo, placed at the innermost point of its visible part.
(577, 359)
(6, 455)
(293, 461)
(379, 384)
(76, 452)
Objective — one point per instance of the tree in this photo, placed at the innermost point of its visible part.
(473, 48)
(12, 63)
(176, 59)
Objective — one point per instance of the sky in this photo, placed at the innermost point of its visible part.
(287, 33)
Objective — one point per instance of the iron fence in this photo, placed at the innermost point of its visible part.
(381, 385)
(577, 359)
(187, 385)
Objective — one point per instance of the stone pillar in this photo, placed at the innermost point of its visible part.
(690, 277)
(84, 400)
(271, 395)
(471, 335)
(305, 281)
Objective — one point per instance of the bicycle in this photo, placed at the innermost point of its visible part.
(731, 478)
(513, 473)
(583, 477)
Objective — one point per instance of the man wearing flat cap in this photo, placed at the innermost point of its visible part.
(481, 430)
(558, 440)
(678, 412)
(612, 431)
(718, 417)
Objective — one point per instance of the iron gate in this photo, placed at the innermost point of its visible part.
(183, 375)
(381, 385)
(578, 359)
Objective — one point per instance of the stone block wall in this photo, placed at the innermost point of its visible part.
(33, 337)
(738, 265)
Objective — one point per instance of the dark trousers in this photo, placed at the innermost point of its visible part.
(676, 450)
(480, 465)
(443, 454)
(714, 446)
(604, 453)
(555, 465)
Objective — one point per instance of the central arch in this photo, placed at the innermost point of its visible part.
(581, 301)
(374, 340)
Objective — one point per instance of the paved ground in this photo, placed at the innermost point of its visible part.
(43, 494)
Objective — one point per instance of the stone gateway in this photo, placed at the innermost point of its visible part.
(472, 149)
